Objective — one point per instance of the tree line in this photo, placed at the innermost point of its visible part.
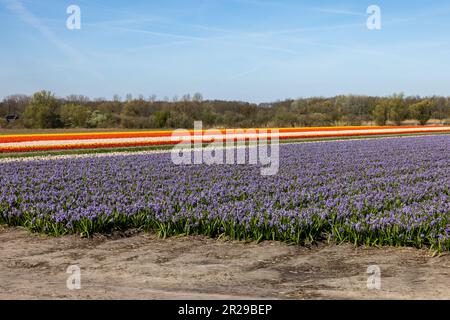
(44, 110)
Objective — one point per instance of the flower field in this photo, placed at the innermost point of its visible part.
(48, 142)
(372, 192)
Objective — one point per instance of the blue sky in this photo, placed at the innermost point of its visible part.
(254, 50)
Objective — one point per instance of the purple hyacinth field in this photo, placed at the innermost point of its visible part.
(369, 192)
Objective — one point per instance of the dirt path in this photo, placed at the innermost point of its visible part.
(142, 266)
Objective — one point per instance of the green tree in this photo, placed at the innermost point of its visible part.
(381, 113)
(179, 120)
(98, 120)
(421, 111)
(42, 112)
(161, 118)
(285, 118)
(398, 111)
(135, 114)
(74, 116)
(208, 116)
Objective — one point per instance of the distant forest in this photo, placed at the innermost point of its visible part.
(44, 110)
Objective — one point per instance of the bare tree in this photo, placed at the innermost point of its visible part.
(197, 97)
(186, 97)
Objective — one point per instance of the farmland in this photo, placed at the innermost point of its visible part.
(151, 229)
(27, 143)
(224, 150)
(373, 192)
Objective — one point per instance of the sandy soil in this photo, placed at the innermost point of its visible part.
(141, 266)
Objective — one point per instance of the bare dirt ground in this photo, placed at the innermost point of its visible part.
(142, 266)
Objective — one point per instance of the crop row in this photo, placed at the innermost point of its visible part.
(372, 192)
